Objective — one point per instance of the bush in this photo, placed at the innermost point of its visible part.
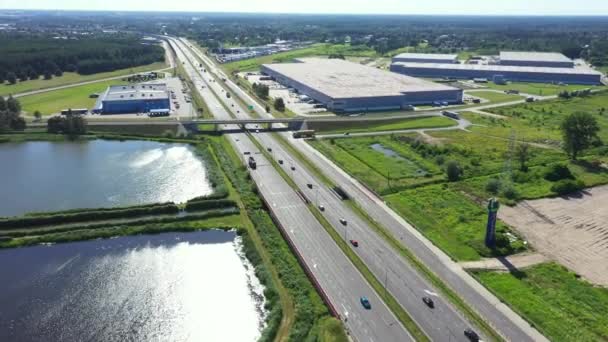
(510, 192)
(210, 204)
(493, 186)
(558, 172)
(453, 171)
(567, 186)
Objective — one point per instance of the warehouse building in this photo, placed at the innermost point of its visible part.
(425, 58)
(500, 73)
(535, 59)
(344, 86)
(137, 98)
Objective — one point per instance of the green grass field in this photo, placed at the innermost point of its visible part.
(72, 78)
(495, 97)
(561, 306)
(54, 101)
(548, 115)
(393, 125)
(321, 49)
(541, 89)
(448, 218)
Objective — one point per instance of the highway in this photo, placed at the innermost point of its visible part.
(403, 282)
(338, 278)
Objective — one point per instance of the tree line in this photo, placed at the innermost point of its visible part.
(25, 57)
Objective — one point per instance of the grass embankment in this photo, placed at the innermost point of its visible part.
(69, 78)
(52, 102)
(494, 97)
(199, 104)
(321, 49)
(540, 89)
(310, 313)
(555, 301)
(357, 126)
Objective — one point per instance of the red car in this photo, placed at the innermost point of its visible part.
(354, 243)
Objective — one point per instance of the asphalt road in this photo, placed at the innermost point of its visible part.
(408, 287)
(404, 283)
(335, 274)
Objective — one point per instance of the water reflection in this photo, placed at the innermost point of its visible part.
(168, 287)
(49, 176)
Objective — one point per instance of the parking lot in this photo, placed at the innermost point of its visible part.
(299, 104)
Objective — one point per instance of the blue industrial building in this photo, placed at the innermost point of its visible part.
(137, 98)
(344, 86)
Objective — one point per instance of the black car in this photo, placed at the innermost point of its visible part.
(428, 301)
(471, 335)
(293, 168)
(281, 161)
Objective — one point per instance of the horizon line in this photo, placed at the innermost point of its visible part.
(304, 13)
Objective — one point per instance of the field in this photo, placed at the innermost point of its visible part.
(322, 49)
(554, 300)
(547, 115)
(400, 124)
(540, 89)
(54, 101)
(494, 97)
(71, 78)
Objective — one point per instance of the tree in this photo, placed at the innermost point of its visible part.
(12, 105)
(48, 75)
(279, 104)
(37, 115)
(2, 104)
(523, 154)
(71, 124)
(11, 77)
(267, 109)
(579, 131)
(453, 170)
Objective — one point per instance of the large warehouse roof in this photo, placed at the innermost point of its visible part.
(523, 56)
(136, 92)
(501, 68)
(337, 78)
(428, 56)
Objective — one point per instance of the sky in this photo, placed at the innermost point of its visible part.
(434, 7)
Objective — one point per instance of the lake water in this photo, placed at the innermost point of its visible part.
(167, 287)
(51, 176)
(409, 165)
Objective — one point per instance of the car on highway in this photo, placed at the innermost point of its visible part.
(269, 149)
(321, 207)
(293, 168)
(343, 221)
(429, 302)
(281, 161)
(471, 335)
(309, 185)
(247, 153)
(365, 303)
(355, 243)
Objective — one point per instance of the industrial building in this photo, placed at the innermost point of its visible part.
(425, 58)
(535, 59)
(500, 73)
(136, 98)
(344, 86)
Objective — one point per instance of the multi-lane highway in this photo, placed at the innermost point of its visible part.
(402, 281)
(339, 280)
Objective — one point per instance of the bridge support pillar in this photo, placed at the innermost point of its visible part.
(216, 127)
(270, 126)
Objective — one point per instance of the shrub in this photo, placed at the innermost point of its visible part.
(567, 186)
(453, 171)
(493, 186)
(558, 172)
(510, 192)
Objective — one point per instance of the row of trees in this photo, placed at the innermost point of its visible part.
(261, 90)
(10, 111)
(25, 58)
(70, 124)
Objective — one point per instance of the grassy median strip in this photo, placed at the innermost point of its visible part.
(388, 299)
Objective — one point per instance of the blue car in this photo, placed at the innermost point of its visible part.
(365, 303)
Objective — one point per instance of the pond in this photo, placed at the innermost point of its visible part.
(52, 176)
(409, 167)
(167, 287)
